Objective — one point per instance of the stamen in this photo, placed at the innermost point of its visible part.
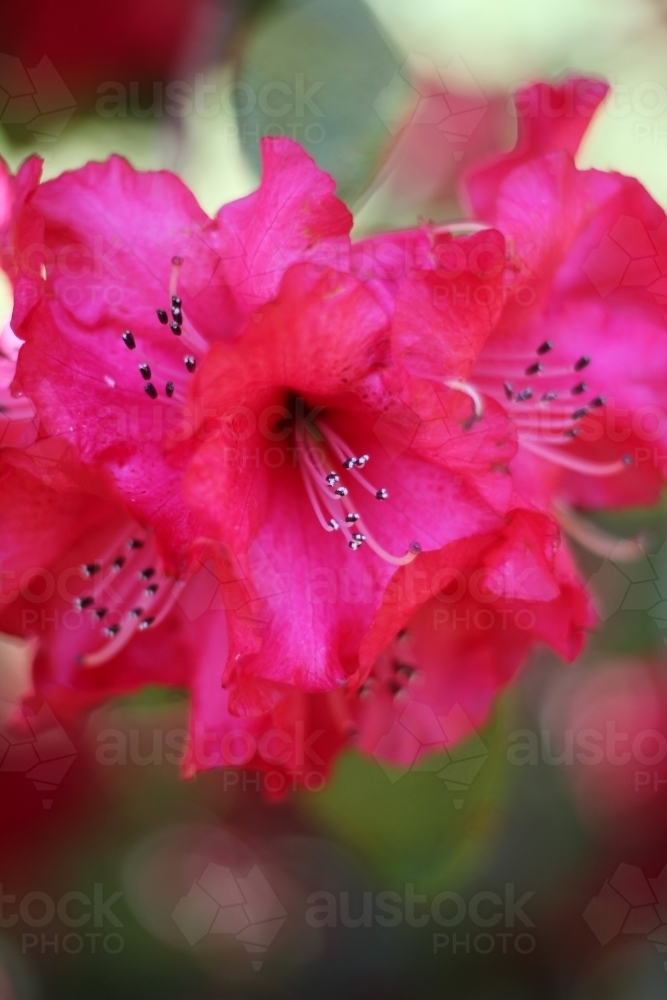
(358, 538)
(405, 670)
(595, 539)
(128, 340)
(150, 390)
(341, 451)
(175, 329)
(463, 228)
(162, 316)
(319, 486)
(576, 464)
(189, 362)
(544, 428)
(145, 371)
(469, 390)
(314, 500)
(130, 584)
(176, 264)
(543, 421)
(169, 389)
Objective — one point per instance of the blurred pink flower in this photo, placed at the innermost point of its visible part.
(606, 726)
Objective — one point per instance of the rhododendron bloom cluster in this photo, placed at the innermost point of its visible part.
(310, 480)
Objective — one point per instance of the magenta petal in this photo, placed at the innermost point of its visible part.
(551, 118)
(293, 216)
(445, 309)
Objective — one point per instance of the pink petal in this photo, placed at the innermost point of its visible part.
(551, 118)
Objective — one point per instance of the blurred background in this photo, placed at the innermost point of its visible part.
(532, 861)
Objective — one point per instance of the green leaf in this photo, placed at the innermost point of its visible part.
(319, 73)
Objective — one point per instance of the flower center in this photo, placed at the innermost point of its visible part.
(127, 591)
(332, 474)
(547, 416)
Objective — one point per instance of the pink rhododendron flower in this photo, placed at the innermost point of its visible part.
(106, 372)
(102, 457)
(85, 580)
(578, 354)
(581, 348)
(576, 433)
(269, 460)
(314, 511)
(464, 639)
(226, 380)
(82, 576)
